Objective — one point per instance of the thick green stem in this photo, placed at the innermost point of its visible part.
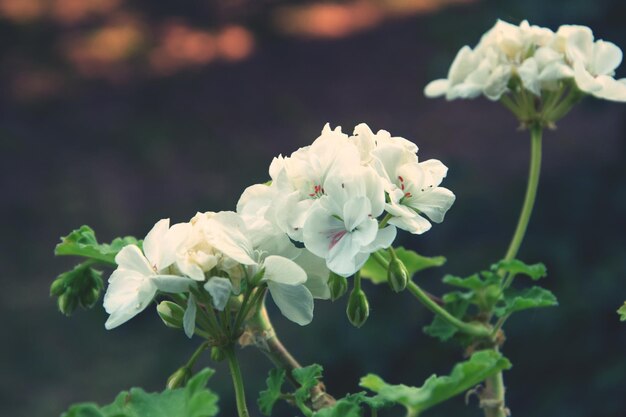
(468, 328)
(531, 192)
(235, 372)
(492, 400)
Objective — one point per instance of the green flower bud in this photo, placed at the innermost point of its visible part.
(338, 286)
(89, 297)
(58, 287)
(179, 378)
(217, 354)
(67, 302)
(397, 275)
(358, 309)
(171, 314)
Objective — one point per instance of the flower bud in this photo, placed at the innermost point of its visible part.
(397, 275)
(58, 287)
(89, 297)
(179, 378)
(358, 309)
(217, 354)
(67, 302)
(338, 286)
(171, 314)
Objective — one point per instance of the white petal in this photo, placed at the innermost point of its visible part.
(127, 295)
(606, 57)
(436, 169)
(131, 258)
(171, 283)
(172, 241)
(529, 74)
(611, 89)
(584, 80)
(414, 224)
(319, 229)
(355, 212)
(220, 289)
(341, 257)
(154, 239)
(190, 269)
(464, 63)
(434, 203)
(436, 88)
(283, 271)
(294, 301)
(384, 239)
(317, 274)
(189, 318)
(556, 71)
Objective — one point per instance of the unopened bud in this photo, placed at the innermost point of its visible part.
(171, 314)
(58, 287)
(338, 286)
(397, 275)
(358, 309)
(217, 354)
(89, 297)
(67, 302)
(179, 378)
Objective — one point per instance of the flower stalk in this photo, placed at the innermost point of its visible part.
(235, 372)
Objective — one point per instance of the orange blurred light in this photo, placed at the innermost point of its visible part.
(73, 11)
(22, 10)
(235, 43)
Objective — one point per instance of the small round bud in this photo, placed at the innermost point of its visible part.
(217, 354)
(179, 378)
(67, 302)
(358, 309)
(58, 287)
(89, 297)
(397, 275)
(171, 313)
(338, 286)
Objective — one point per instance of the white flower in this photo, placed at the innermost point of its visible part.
(138, 277)
(300, 179)
(416, 193)
(342, 225)
(539, 57)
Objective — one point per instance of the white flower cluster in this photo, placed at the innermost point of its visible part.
(538, 57)
(342, 197)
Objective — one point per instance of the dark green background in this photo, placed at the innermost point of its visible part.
(121, 155)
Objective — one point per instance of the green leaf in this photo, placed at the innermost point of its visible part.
(622, 312)
(435, 390)
(535, 297)
(350, 406)
(473, 282)
(83, 242)
(456, 304)
(517, 267)
(195, 400)
(268, 397)
(413, 262)
(307, 377)
(484, 288)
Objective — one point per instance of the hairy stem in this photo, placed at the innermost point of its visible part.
(260, 329)
(468, 328)
(492, 400)
(235, 372)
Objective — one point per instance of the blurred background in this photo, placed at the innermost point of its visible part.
(116, 113)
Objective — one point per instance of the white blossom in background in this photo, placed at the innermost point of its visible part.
(538, 57)
(139, 275)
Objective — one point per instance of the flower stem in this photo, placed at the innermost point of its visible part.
(493, 400)
(468, 328)
(263, 336)
(235, 372)
(531, 192)
(194, 358)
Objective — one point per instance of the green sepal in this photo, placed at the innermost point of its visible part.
(171, 314)
(269, 397)
(337, 285)
(622, 312)
(516, 267)
(83, 242)
(464, 375)
(178, 378)
(413, 262)
(516, 300)
(194, 400)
